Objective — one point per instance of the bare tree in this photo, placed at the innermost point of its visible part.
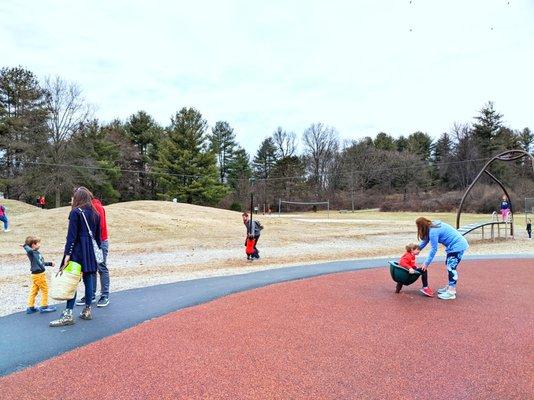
(285, 143)
(321, 144)
(68, 111)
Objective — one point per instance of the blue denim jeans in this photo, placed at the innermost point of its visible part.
(88, 283)
(103, 272)
(4, 219)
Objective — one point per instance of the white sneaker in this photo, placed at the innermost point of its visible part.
(7, 230)
(443, 289)
(447, 295)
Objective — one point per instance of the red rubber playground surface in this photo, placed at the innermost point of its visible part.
(341, 336)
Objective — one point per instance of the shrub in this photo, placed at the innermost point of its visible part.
(235, 206)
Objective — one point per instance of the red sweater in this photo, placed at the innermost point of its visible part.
(408, 261)
(103, 224)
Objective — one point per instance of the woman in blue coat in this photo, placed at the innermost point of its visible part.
(79, 248)
(436, 233)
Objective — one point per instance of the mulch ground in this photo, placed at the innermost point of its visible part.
(342, 336)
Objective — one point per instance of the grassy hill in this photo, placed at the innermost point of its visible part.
(156, 226)
(134, 226)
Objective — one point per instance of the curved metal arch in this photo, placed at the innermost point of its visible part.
(509, 155)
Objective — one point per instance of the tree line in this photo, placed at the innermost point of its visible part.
(51, 142)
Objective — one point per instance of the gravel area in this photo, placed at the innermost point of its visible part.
(131, 270)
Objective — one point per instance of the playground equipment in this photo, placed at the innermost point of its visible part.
(401, 275)
(508, 156)
(314, 204)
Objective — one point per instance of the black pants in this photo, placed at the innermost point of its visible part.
(529, 234)
(424, 276)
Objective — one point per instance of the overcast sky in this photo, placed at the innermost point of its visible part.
(362, 66)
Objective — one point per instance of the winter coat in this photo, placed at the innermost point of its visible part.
(79, 245)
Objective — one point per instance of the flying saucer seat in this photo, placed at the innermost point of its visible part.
(401, 275)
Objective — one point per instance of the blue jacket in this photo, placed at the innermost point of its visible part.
(446, 235)
(79, 245)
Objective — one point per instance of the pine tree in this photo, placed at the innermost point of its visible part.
(383, 141)
(146, 134)
(23, 130)
(401, 143)
(265, 159)
(486, 129)
(186, 169)
(223, 144)
(419, 144)
(526, 140)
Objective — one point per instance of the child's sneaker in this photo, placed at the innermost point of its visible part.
(31, 310)
(47, 309)
(427, 292)
(448, 295)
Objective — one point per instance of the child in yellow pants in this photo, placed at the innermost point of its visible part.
(39, 283)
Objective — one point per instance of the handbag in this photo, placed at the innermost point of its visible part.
(99, 255)
(64, 283)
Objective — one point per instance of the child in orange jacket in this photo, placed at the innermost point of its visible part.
(408, 261)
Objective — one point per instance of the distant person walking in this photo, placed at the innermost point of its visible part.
(529, 228)
(3, 218)
(41, 202)
(436, 233)
(103, 271)
(253, 231)
(79, 249)
(505, 209)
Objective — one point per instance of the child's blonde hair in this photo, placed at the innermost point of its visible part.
(31, 240)
(412, 247)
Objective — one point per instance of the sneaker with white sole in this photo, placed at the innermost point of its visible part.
(448, 295)
(443, 289)
(81, 302)
(103, 301)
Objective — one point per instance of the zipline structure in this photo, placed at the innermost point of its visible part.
(508, 156)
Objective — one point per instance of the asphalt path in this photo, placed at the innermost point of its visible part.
(26, 339)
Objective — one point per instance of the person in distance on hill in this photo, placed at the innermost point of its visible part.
(529, 228)
(3, 218)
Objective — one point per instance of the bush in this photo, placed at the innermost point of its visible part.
(235, 206)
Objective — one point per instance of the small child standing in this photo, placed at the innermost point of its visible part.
(408, 261)
(529, 228)
(32, 245)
